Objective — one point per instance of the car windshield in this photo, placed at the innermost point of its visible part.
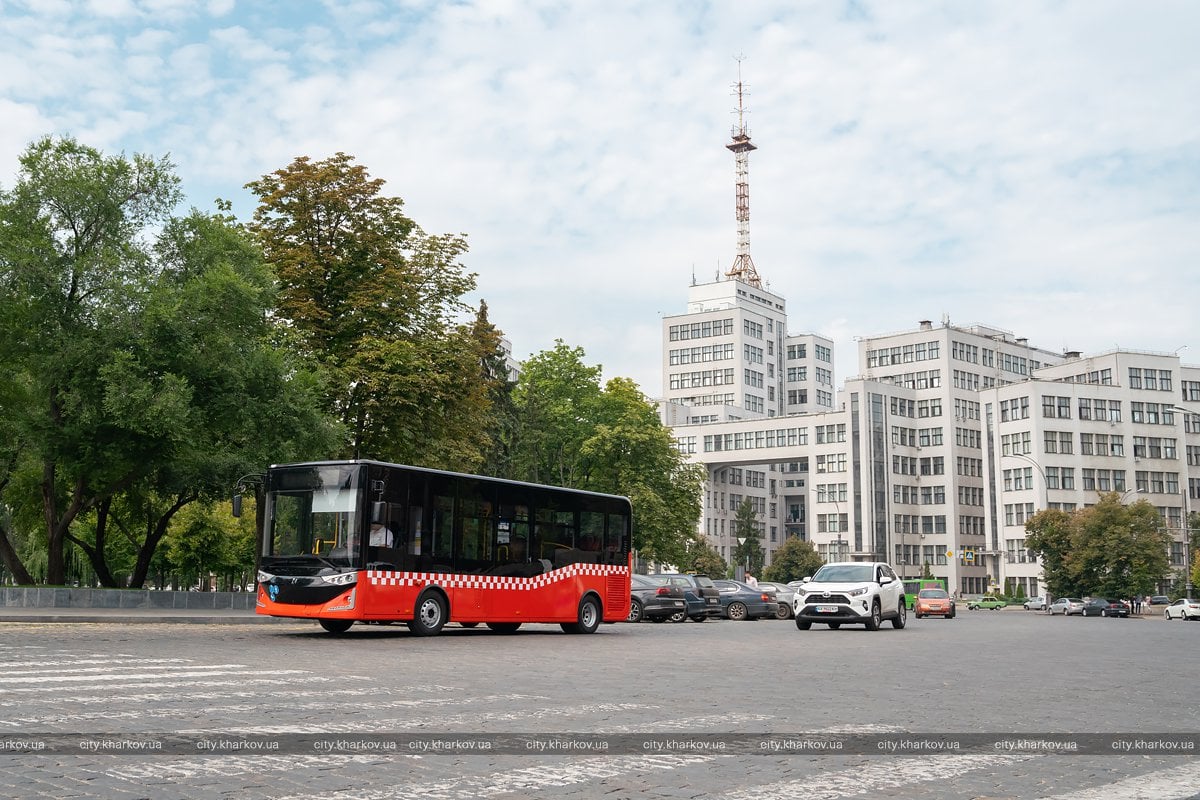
(938, 594)
(844, 573)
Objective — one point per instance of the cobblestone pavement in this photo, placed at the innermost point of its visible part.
(685, 711)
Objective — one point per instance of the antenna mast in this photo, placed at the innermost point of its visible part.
(743, 266)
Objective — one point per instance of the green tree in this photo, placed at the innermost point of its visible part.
(748, 553)
(204, 540)
(926, 572)
(376, 301)
(1049, 533)
(795, 559)
(1108, 549)
(156, 382)
(73, 262)
(500, 423)
(703, 559)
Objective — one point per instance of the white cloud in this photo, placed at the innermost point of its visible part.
(1032, 168)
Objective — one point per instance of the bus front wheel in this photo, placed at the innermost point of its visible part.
(589, 617)
(336, 625)
(430, 615)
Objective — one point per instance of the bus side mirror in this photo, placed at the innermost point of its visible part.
(378, 511)
(237, 505)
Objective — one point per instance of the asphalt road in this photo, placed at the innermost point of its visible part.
(719, 709)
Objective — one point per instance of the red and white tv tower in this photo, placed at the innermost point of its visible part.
(743, 266)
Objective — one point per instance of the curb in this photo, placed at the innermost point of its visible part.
(146, 619)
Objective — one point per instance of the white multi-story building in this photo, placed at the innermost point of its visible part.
(946, 443)
(729, 359)
(1113, 422)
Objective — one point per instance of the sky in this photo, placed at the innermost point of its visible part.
(1030, 166)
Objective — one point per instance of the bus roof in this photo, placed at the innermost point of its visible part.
(430, 471)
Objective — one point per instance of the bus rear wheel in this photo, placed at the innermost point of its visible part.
(504, 627)
(336, 625)
(589, 617)
(430, 615)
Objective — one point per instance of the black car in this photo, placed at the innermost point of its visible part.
(653, 601)
(1104, 607)
(741, 602)
(1160, 600)
(703, 599)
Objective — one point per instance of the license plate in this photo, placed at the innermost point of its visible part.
(827, 609)
(678, 604)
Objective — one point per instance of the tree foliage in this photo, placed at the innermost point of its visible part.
(143, 370)
(795, 559)
(75, 263)
(703, 559)
(378, 303)
(748, 553)
(1106, 550)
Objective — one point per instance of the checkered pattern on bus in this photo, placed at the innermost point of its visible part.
(378, 577)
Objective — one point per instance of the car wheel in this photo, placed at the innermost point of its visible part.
(876, 617)
(468, 624)
(833, 626)
(918, 616)
(678, 616)
(736, 611)
(430, 615)
(901, 617)
(782, 611)
(1167, 616)
(635, 612)
(697, 618)
(951, 614)
(802, 624)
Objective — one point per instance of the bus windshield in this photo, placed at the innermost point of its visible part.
(314, 512)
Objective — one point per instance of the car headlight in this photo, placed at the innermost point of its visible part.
(856, 592)
(340, 579)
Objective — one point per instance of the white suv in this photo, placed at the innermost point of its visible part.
(851, 593)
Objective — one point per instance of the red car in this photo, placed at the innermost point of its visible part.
(934, 603)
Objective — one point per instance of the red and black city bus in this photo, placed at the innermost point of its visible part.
(362, 540)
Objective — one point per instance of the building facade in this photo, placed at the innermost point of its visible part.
(936, 454)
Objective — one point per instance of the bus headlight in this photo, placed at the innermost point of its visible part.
(264, 577)
(340, 579)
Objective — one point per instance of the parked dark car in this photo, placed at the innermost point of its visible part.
(741, 602)
(703, 599)
(1104, 607)
(1160, 600)
(653, 601)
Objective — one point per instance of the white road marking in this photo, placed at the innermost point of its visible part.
(221, 669)
(524, 781)
(884, 773)
(110, 688)
(105, 670)
(96, 660)
(1168, 784)
(186, 769)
